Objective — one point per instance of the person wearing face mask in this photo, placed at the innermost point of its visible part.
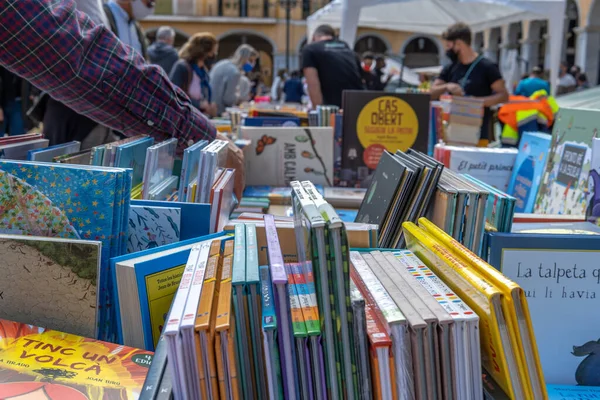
(470, 74)
(226, 74)
(123, 17)
(190, 73)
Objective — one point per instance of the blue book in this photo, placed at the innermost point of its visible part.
(563, 392)
(195, 217)
(189, 167)
(133, 155)
(560, 277)
(152, 263)
(528, 170)
(272, 121)
(47, 154)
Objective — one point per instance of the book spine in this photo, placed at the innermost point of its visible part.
(252, 275)
(174, 319)
(155, 373)
(238, 275)
(278, 274)
(191, 306)
(269, 319)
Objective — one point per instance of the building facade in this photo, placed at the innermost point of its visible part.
(262, 24)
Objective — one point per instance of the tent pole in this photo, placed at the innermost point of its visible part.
(350, 16)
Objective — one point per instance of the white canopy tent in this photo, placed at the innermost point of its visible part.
(434, 16)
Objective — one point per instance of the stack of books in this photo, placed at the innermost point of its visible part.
(464, 116)
(17, 147)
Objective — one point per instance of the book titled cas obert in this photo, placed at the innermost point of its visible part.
(377, 121)
(45, 364)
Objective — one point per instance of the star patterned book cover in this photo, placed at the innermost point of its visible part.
(151, 227)
(50, 282)
(37, 363)
(69, 202)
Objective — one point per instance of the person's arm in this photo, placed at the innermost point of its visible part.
(499, 96)
(62, 52)
(499, 92)
(519, 89)
(314, 86)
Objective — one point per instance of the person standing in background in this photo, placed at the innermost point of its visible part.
(293, 90)
(11, 111)
(123, 17)
(190, 73)
(368, 72)
(226, 74)
(566, 82)
(470, 74)
(582, 82)
(532, 84)
(380, 83)
(330, 66)
(277, 86)
(162, 52)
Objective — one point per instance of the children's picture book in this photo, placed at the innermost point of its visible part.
(593, 183)
(194, 217)
(133, 155)
(528, 170)
(50, 282)
(564, 188)
(560, 276)
(152, 227)
(278, 156)
(39, 363)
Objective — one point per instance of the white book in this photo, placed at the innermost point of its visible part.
(280, 155)
(171, 329)
(467, 347)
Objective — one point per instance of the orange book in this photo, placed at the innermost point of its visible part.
(224, 333)
(204, 337)
(46, 364)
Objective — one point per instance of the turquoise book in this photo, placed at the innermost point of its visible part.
(133, 155)
(529, 168)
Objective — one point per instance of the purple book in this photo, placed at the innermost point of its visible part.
(284, 333)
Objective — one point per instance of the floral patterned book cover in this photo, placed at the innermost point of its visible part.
(151, 227)
(37, 363)
(69, 202)
(50, 282)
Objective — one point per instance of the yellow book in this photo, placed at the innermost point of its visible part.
(515, 305)
(205, 343)
(497, 344)
(225, 335)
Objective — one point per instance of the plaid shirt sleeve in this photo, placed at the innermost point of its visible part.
(62, 52)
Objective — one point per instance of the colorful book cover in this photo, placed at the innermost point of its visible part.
(59, 200)
(63, 274)
(47, 154)
(529, 168)
(564, 183)
(377, 121)
(593, 183)
(152, 227)
(36, 363)
(280, 155)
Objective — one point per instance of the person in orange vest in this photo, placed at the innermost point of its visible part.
(521, 114)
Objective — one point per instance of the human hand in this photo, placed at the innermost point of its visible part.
(455, 89)
(235, 160)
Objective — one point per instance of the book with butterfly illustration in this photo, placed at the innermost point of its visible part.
(38, 363)
(280, 155)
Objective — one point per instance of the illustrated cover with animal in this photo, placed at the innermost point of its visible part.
(564, 188)
(36, 363)
(561, 279)
(50, 282)
(278, 156)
